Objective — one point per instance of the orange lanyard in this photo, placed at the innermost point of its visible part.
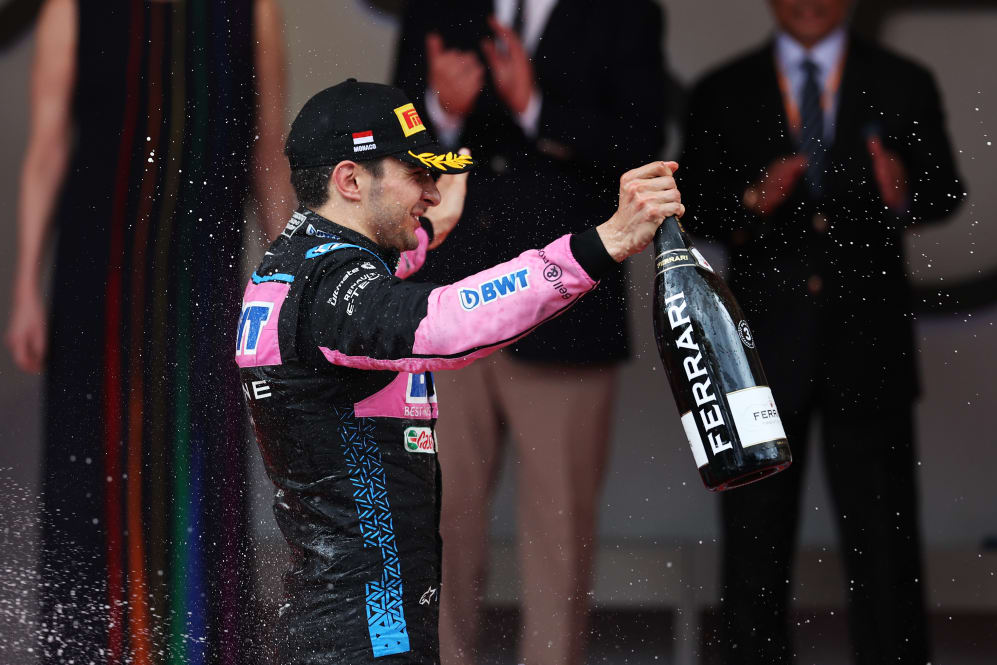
(826, 98)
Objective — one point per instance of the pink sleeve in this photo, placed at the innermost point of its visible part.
(488, 310)
(413, 259)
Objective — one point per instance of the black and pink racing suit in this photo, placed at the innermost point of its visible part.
(336, 353)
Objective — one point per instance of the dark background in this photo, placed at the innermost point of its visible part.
(658, 525)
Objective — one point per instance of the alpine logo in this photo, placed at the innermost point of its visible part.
(255, 316)
(492, 290)
(318, 233)
(420, 440)
(319, 250)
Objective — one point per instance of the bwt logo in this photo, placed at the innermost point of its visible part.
(500, 287)
(255, 315)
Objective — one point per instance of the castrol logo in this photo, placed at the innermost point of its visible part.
(420, 440)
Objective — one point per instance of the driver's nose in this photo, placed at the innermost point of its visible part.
(431, 194)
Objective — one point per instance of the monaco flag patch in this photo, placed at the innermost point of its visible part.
(363, 141)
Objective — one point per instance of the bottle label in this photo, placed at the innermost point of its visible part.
(755, 416)
(673, 258)
(708, 411)
(695, 441)
(701, 260)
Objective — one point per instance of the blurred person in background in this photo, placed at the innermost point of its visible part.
(150, 122)
(808, 158)
(557, 98)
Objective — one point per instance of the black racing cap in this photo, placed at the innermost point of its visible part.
(363, 121)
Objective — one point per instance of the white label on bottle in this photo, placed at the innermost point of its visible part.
(700, 259)
(755, 416)
(695, 442)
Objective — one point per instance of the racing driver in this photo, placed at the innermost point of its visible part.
(336, 353)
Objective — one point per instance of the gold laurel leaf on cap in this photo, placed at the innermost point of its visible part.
(443, 162)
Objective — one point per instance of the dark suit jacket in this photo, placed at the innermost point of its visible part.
(600, 69)
(850, 345)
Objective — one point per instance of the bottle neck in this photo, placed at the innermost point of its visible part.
(669, 236)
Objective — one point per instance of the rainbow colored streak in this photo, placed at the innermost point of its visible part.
(167, 474)
(112, 351)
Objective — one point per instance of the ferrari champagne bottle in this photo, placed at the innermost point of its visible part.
(712, 363)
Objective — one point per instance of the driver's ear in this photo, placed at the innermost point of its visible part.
(344, 180)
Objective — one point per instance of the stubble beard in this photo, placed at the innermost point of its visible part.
(390, 223)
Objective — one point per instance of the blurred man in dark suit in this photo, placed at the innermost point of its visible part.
(555, 97)
(809, 158)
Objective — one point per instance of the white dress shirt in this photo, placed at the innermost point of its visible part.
(826, 54)
(535, 14)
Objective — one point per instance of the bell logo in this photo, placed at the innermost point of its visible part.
(409, 119)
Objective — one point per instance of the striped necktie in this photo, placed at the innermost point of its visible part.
(812, 130)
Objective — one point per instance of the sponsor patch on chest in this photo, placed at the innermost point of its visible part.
(420, 440)
(410, 396)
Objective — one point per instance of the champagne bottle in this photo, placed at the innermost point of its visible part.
(712, 363)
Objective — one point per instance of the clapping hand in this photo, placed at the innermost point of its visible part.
(457, 76)
(510, 65)
(891, 176)
(776, 184)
